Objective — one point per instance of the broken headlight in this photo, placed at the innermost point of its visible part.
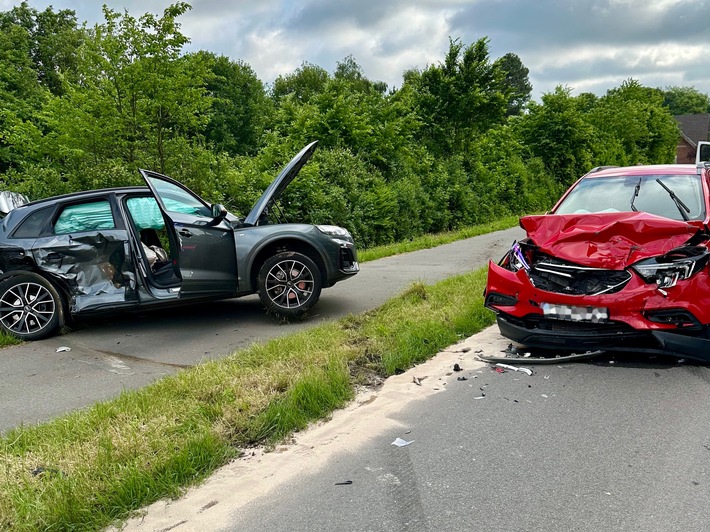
(515, 259)
(668, 269)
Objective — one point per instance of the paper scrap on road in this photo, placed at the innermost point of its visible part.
(63, 349)
(399, 442)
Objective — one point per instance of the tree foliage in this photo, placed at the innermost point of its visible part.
(686, 100)
(516, 81)
(458, 143)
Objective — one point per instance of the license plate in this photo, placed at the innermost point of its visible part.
(575, 313)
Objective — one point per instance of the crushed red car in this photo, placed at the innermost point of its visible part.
(619, 264)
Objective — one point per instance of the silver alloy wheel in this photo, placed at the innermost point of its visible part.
(27, 308)
(289, 284)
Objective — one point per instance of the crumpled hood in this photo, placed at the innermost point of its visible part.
(606, 240)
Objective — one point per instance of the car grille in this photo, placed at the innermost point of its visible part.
(554, 275)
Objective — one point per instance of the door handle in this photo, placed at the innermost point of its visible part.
(53, 257)
(185, 232)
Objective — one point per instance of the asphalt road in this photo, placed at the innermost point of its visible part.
(576, 447)
(622, 444)
(127, 352)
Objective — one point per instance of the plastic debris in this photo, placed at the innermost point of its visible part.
(416, 381)
(399, 442)
(483, 396)
(457, 367)
(515, 368)
(63, 349)
(462, 378)
(344, 483)
(499, 370)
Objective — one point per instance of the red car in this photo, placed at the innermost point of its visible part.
(619, 264)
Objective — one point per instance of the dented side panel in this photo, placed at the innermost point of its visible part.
(97, 269)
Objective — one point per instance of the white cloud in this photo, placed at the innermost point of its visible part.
(585, 44)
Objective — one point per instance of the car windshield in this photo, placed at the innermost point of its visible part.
(637, 193)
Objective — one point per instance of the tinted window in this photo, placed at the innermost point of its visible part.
(32, 226)
(84, 217)
(177, 199)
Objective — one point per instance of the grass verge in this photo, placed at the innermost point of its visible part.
(433, 240)
(94, 467)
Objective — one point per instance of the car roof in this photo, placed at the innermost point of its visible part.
(88, 193)
(646, 169)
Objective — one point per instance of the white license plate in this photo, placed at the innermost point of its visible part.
(575, 313)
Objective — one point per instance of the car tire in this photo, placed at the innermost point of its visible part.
(31, 308)
(289, 284)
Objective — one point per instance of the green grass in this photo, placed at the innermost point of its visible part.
(433, 240)
(7, 339)
(94, 467)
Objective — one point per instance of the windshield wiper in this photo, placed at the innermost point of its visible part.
(636, 193)
(682, 207)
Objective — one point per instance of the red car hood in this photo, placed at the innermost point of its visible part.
(606, 240)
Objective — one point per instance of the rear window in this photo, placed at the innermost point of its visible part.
(32, 226)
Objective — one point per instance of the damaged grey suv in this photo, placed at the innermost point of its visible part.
(142, 247)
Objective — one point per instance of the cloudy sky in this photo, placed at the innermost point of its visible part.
(586, 45)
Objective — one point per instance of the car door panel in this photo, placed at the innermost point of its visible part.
(206, 251)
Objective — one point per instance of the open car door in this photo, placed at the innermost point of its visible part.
(207, 257)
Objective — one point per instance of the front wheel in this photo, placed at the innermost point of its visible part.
(30, 307)
(289, 284)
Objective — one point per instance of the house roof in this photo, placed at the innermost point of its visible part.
(695, 127)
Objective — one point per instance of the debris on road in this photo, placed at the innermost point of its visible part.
(541, 357)
(515, 368)
(63, 349)
(457, 367)
(399, 442)
(344, 483)
(417, 381)
(462, 378)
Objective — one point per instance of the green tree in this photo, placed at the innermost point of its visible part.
(686, 100)
(557, 133)
(51, 41)
(636, 116)
(240, 106)
(307, 81)
(516, 81)
(137, 95)
(460, 98)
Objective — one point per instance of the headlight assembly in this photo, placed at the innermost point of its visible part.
(333, 230)
(668, 269)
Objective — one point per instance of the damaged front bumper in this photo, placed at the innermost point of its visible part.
(638, 317)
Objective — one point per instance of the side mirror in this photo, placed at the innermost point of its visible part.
(218, 211)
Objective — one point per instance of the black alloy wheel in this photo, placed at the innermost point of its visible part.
(30, 307)
(289, 284)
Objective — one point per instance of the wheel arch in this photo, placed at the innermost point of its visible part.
(286, 244)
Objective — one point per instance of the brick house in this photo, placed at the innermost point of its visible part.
(693, 128)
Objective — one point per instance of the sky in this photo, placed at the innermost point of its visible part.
(584, 45)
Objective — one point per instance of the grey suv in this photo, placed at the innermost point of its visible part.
(141, 247)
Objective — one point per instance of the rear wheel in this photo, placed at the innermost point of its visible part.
(289, 284)
(30, 307)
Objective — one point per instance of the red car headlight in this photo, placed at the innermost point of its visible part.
(668, 269)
